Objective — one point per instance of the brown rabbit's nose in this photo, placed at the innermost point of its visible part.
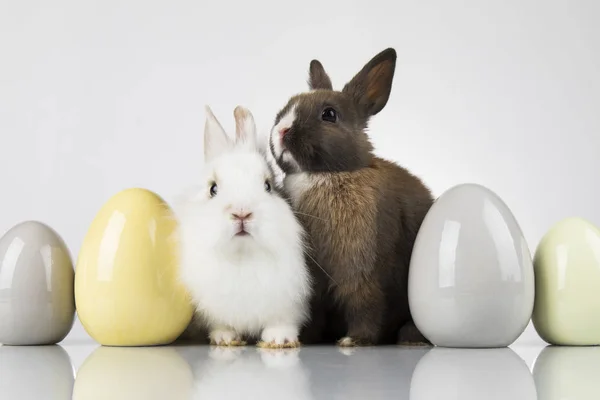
(241, 216)
(283, 132)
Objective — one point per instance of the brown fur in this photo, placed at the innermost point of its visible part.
(361, 213)
(318, 78)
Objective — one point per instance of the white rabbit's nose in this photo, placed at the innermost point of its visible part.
(241, 216)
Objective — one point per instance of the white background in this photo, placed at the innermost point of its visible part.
(99, 96)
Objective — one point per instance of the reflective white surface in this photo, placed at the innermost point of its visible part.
(88, 371)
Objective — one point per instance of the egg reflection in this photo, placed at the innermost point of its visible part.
(567, 373)
(134, 373)
(35, 372)
(472, 374)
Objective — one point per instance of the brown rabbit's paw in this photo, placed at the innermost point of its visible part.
(351, 341)
(346, 342)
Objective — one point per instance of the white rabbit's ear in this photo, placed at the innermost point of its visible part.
(245, 127)
(216, 140)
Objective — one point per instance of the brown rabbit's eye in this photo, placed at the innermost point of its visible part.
(213, 190)
(329, 115)
(268, 186)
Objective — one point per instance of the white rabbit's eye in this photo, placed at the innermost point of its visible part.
(267, 186)
(329, 115)
(213, 190)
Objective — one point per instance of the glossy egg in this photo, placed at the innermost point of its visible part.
(126, 282)
(37, 304)
(567, 277)
(471, 280)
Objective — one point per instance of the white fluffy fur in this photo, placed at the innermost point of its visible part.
(255, 285)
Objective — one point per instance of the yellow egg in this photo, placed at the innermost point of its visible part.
(127, 290)
(567, 284)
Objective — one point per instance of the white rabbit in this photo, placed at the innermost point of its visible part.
(242, 248)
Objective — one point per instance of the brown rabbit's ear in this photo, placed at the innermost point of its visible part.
(318, 78)
(245, 127)
(216, 140)
(372, 86)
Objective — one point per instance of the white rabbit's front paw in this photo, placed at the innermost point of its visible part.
(281, 336)
(225, 337)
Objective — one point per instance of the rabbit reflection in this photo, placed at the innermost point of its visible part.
(251, 373)
(362, 373)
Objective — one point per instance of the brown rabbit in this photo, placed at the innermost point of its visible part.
(361, 212)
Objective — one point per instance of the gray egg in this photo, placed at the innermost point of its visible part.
(471, 281)
(37, 302)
